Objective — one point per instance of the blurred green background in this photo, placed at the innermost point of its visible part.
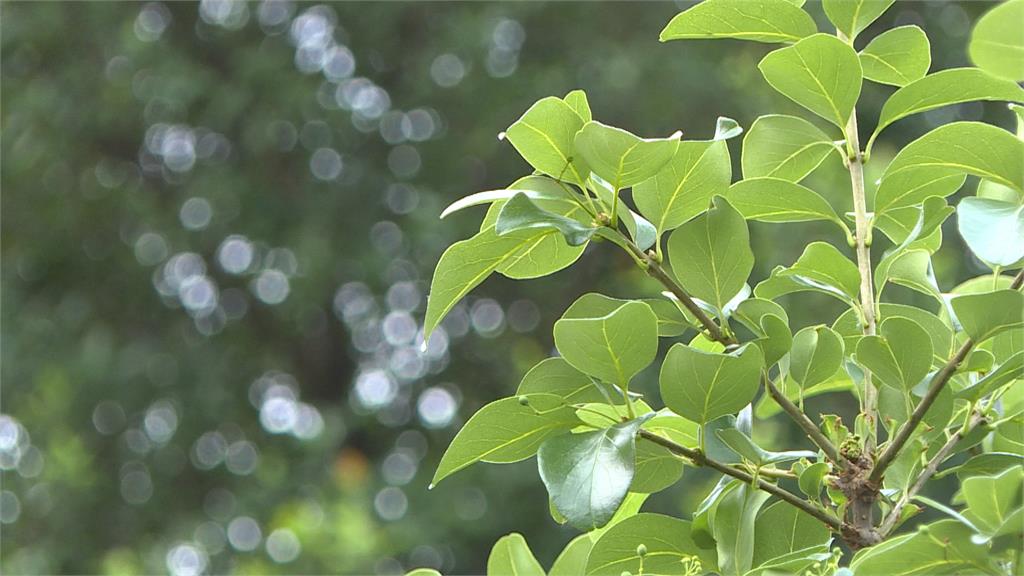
(219, 223)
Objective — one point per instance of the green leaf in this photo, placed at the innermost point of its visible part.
(824, 264)
(820, 73)
(668, 544)
(752, 311)
(767, 21)
(1010, 370)
(944, 88)
(898, 56)
(982, 316)
(741, 444)
(965, 147)
(711, 255)
(993, 502)
(621, 158)
(853, 16)
(776, 200)
(987, 464)
(555, 376)
(911, 223)
(993, 229)
(544, 138)
(784, 147)
(838, 382)
(671, 320)
(467, 263)
(912, 187)
(506, 431)
(573, 559)
(423, 572)
(901, 357)
(520, 213)
(674, 427)
(546, 251)
(683, 188)
(733, 527)
(657, 468)
(776, 339)
(580, 104)
(781, 529)
(912, 269)
(997, 42)
(588, 474)
(848, 326)
(702, 386)
(511, 555)
(816, 355)
(812, 479)
(942, 547)
(612, 347)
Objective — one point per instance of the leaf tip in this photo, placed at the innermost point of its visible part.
(501, 135)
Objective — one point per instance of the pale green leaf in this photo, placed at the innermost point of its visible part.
(911, 187)
(702, 386)
(544, 138)
(848, 326)
(588, 474)
(742, 444)
(816, 355)
(657, 468)
(900, 357)
(683, 188)
(1005, 373)
(757, 20)
(823, 264)
(556, 376)
(578, 101)
(993, 229)
(997, 42)
(776, 200)
(853, 16)
(944, 88)
(985, 315)
(668, 544)
(993, 502)
(506, 431)
(621, 158)
(784, 147)
(573, 559)
(511, 555)
(812, 479)
(613, 347)
(781, 529)
(898, 56)
(943, 548)
(711, 256)
(546, 251)
(733, 526)
(820, 72)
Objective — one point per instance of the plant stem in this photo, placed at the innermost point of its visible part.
(804, 422)
(934, 388)
(699, 459)
(930, 469)
(658, 272)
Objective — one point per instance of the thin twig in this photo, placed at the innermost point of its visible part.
(929, 470)
(699, 459)
(934, 388)
(804, 422)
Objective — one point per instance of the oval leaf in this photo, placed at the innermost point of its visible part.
(757, 20)
(784, 147)
(997, 42)
(898, 56)
(613, 347)
(702, 386)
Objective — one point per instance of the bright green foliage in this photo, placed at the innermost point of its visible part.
(997, 42)
(621, 158)
(817, 354)
(711, 256)
(544, 138)
(511, 555)
(612, 347)
(702, 386)
(898, 56)
(683, 188)
(758, 20)
(934, 374)
(943, 89)
(784, 147)
(820, 73)
(852, 16)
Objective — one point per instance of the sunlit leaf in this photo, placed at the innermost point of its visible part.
(758, 20)
(898, 56)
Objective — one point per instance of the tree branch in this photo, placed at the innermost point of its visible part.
(934, 388)
(805, 423)
(699, 459)
(658, 272)
(889, 523)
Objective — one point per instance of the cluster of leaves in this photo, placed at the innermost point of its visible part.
(941, 380)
